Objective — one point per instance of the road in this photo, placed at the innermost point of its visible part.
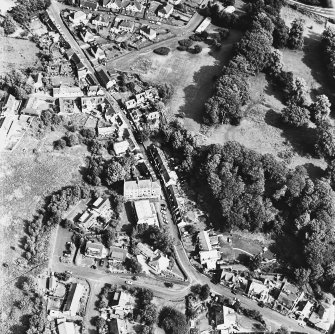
(273, 318)
(326, 12)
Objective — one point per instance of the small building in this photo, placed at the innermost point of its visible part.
(131, 104)
(225, 318)
(78, 17)
(146, 251)
(303, 309)
(256, 289)
(97, 52)
(121, 301)
(174, 2)
(126, 25)
(72, 303)
(107, 131)
(321, 318)
(229, 9)
(133, 6)
(165, 11)
(145, 213)
(95, 249)
(102, 207)
(117, 254)
(141, 189)
(87, 220)
(95, 90)
(203, 25)
(114, 5)
(159, 263)
(105, 79)
(289, 296)
(89, 4)
(87, 36)
(121, 147)
(66, 91)
(204, 241)
(101, 20)
(209, 258)
(66, 328)
(11, 106)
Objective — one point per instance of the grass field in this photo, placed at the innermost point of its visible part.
(17, 53)
(27, 177)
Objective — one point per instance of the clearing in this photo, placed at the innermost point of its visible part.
(26, 178)
(17, 53)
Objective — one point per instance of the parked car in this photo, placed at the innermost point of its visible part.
(101, 262)
(129, 282)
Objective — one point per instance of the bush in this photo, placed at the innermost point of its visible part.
(162, 51)
(59, 144)
(8, 25)
(185, 42)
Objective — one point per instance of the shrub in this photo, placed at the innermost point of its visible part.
(162, 51)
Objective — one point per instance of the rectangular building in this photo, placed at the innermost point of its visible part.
(72, 304)
(145, 212)
(141, 189)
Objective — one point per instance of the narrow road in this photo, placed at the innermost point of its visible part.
(326, 12)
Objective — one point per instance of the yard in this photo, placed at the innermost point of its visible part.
(26, 178)
(17, 53)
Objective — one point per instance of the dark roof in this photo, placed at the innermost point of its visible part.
(103, 76)
(91, 4)
(90, 79)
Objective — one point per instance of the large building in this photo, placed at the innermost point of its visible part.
(72, 303)
(141, 189)
(66, 328)
(65, 91)
(204, 241)
(145, 213)
(209, 258)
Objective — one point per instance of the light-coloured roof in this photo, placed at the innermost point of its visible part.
(73, 300)
(144, 209)
(121, 147)
(66, 328)
(204, 241)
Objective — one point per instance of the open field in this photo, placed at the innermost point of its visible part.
(5, 5)
(26, 178)
(16, 54)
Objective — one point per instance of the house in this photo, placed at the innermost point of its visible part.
(133, 7)
(145, 213)
(95, 249)
(117, 254)
(110, 113)
(104, 3)
(145, 250)
(174, 2)
(105, 79)
(87, 220)
(87, 36)
(66, 328)
(11, 106)
(321, 318)
(78, 17)
(159, 263)
(92, 103)
(107, 131)
(126, 25)
(228, 278)
(130, 104)
(203, 25)
(209, 258)
(66, 91)
(141, 189)
(102, 207)
(225, 318)
(289, 296)
(121, 301)
(204, 241)
(90, 79)
(121, 147)
(114, 5)
(303, 309)
(97, 52)
(165, 11)
(72, 303)
(89, 4)
(147, 32)
(256, 289)
(36, 81)
(101, 20)
(95, 90)
(117, 326)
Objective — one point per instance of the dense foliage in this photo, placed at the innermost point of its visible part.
(23, 11)
(172, 321)
(328, 47)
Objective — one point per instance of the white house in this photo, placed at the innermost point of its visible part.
(87, 36)
(126, 25)
(209, 258)
(78, 17)
(145, 212)
(147, 32)
(165, 11)
(114, 5)
(141, 189)
(121, 147)
(159, 263)
(134, 7)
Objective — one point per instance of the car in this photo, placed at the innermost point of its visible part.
(101, 263)
(68, 272)
(129, 282)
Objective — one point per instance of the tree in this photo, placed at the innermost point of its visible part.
(280, 34)
(8, 25)
(295, 115)
(196, 289)
(162, 51)
(113, 172)
(172, 321)
(133, 265)
(296, 35)
(204, 292)
(325, 142)
(320, 109)
(275, 65)
(255, 262)
(59, 144)
(149, 315)
(72, 139)
(197, 49)
(282, 330)
(297, 90)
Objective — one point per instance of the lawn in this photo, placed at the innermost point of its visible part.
(17, 53)
(26, 178)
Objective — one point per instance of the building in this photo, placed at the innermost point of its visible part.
(121, 147)
(66, 91)
(256, 289)
(102, 207)
(225, 318)
(303, 309)
(126, 25)
(121, 301)
(114, 5)
(107, 131)
(209, 258)
(133, 7)
(321, 318)
(229, 9)
(204, 241)
(174, 2)
(95, 90)
(89, 4)
(148, 32)
(78, 17)
(203, 25)
(36, 81)
(141, 189)
(97, 52)
(11, 106)
(159, 263)
(87, 220)
(131, 104)
(146, 251)
(95, 249)
(87, 36)
(117, 254)
(100, 20)
(72, 303)
(92, 103)
(66, 328)
(145, 213)
(105, 79)
(289, 296)
(165, 11)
